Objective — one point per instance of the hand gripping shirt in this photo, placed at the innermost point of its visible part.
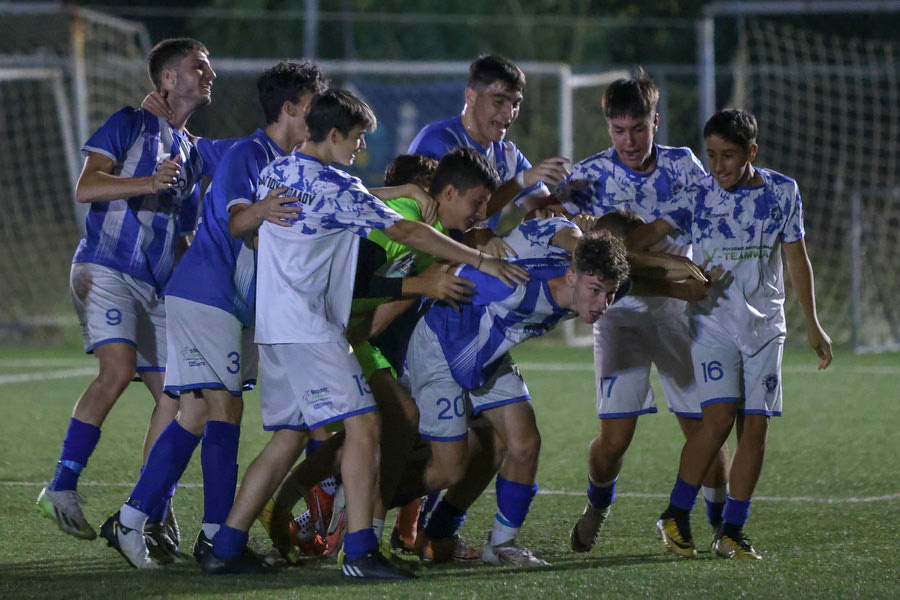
(601, 183)
(498, 318)
(305, 272)
(743, 232)
(137, 235)
(438, 138)
(218, 270)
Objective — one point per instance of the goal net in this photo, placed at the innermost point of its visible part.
(63, 71)
(829, 116)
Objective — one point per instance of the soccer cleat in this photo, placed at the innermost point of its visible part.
(128, 542)
(63, 507)
(334, 538)
(170, 525)
(734, 547)
(202, 546)
(246, 563)
(508, 553)
(403, 536)
(676, 535)
(373, 565)
(443, 550)
(584, 532)
(321, 508)
(163, 548)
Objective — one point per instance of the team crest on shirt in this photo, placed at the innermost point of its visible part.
(317, 398)
(771, 382)
(192, 357)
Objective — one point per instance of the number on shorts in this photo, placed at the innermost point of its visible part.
(457, 406)
(114, 317)
(712, 371)
(606, 386)
(361, 385)
(235, 365)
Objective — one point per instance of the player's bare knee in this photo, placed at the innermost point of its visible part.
(524, 449)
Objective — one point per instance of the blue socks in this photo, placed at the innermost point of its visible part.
(684, 495)
(218, 455)
(229, 542)
(166, 463)
(358, 544)
(736, 512)
(601, 497)
(445, 521)
(78, 445)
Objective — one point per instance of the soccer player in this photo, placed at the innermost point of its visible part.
(493, 99)
(459, 366)
(304, 287)
(140, 178)
(642, 176)
(742, 218)
(209, 327)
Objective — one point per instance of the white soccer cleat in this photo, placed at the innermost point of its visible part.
(129, 542)
(508, 553)
(64, 508)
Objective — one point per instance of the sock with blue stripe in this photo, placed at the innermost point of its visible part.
(78, 445)
(513, 501)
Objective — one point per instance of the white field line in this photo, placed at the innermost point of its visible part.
(809, 499)
(45, 375)
(527, 366)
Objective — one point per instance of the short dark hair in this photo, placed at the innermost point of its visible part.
(636, 96)
(488, 68)
(620, 222)
(166, 52)
(735, 125)
(601, 254)
(410, 168)
(337, 109)
(464, 168)
(287, 82)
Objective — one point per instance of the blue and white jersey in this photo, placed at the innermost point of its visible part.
(305, 272)
(218, 270)
(743, 232)
(498, 318)
(531, 239)
(438, 138)
(601, 183)
(137, 235)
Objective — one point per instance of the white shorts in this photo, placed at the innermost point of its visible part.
(625, 348)
(115, 307)
(724, 374)
(208, 348)
(306, 386)
(445, 408)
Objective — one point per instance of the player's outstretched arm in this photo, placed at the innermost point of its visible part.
(800, 270)
(244, 219)
(97, 183)
(426, 239)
